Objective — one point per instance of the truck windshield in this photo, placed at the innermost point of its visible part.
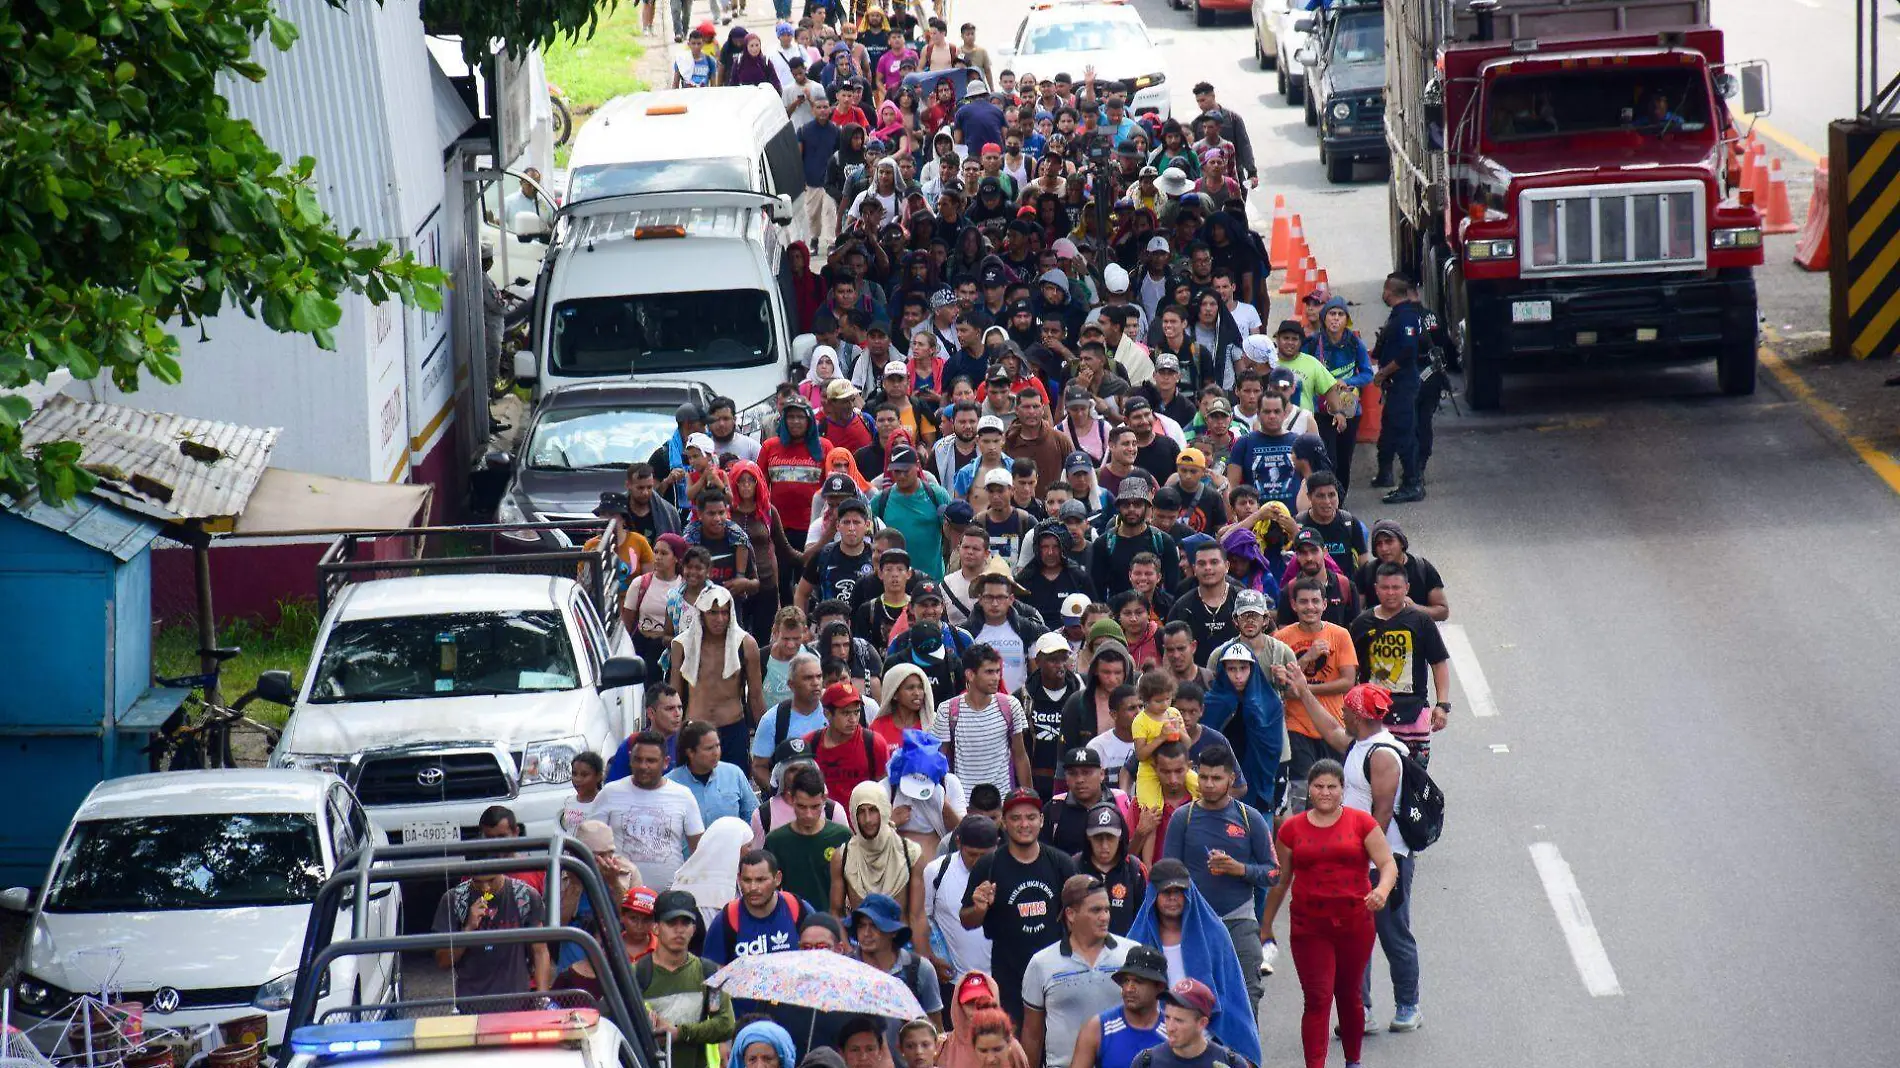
(650, 333)
(659, 176)
(1597, 100)
(209, 861)
(1359, 38)
(410, 657)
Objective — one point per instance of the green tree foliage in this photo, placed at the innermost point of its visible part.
(132, 203)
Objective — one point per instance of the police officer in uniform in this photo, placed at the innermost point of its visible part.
(1401, 353)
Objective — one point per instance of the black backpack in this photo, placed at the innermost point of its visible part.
(1419, 808)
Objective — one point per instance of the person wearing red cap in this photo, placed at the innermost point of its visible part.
(1014, 895)
(846, 752)
(1187, 1007)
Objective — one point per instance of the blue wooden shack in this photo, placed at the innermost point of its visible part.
(78, 705)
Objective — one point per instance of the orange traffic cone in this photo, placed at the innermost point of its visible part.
(1777, 216)
(1295, 272)
(1811, 248)
(1319, 280)
(1755, 172)
(1309, 277)
(1281, 240)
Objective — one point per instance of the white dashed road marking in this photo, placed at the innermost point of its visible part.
(1469, 674)
(1573, 916)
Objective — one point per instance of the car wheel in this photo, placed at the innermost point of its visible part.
(1312, 113)
(1202, 16)
(1295, 89)
(1279, 78)
(1260, 55)
(1338, 168)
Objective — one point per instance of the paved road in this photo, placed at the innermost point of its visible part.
(1628, 555)
(1809, 46)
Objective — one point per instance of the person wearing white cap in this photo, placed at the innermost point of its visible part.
(1008, 526)
(1115, 294)
(1152, 287)
(989, 456)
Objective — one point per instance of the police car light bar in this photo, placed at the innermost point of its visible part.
(538, 1028)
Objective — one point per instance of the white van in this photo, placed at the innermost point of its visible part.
(676, 285)
(735, 137)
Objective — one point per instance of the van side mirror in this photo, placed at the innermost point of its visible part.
(619, 671)
(19, 898)
(529, 226)
(277, 687)
(1303, 26)
(782, 209)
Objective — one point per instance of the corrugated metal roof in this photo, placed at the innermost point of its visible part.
(146, 462)
(91, 522)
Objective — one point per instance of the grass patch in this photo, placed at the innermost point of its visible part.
(285, 647)
(593, 71)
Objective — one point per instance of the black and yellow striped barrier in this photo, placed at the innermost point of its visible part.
(1864, 176)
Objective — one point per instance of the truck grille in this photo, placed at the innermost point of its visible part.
(399, 779)
(1604, 229)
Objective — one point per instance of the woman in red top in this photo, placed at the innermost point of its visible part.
(794, 466)
(1324, 855)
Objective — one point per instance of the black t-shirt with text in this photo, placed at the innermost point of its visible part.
(1212, 627)
(1420, 575)
(1397, 653)
(1025, 916)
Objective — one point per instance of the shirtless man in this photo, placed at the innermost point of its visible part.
(729, 699)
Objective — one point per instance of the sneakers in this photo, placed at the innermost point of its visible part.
(1407, 1018)
(1269, 952)
(1372, 1026)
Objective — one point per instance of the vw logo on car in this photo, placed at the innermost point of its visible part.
(431, 776)
(165, 999)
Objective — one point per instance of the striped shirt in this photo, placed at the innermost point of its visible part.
(980, 740)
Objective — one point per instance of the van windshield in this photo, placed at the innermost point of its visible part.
(659, 176)
(651, 333)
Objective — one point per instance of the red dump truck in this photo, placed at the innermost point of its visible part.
(1566, 183)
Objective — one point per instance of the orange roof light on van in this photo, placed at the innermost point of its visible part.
(667, 109)
(647, 233)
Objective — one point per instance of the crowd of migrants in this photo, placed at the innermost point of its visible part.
(1032, 656)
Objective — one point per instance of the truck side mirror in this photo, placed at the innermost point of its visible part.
(619, 671)
(1303, 26)
(1755, 99)
(277, 687)
(782, 209)
(529, 226)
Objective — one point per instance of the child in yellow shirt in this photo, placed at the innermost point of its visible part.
(1156, 724)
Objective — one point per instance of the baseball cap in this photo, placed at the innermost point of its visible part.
(999, 477)
(675, 904)
(1022, 795)
(1169, 873)
(1191, 455)
(1072, 509)
(1289, 326)
(1321, 294)
(1077, 397)
(1115, 278)
(840, 694)
(1137, 403)
(958, 513)
(1076, 603)
(1169, 499)
(1309, 536)
(1282, 376)
(1237, 650)
(994, 276)
(894, 555)
(926, 591)
(1135, 488)
(639, 899)
(1250, 601)
(1063, 248)
(989, 422)
(840, 388)
(706, 29)
(974, 985)
(1157, 243)
(1219, 404)
(991, 148)
(999, 375)
(1050, 644)
(895, 368)
(1258, 348)
(1193, 995)
(1081, 757)
(1167, 361)
(690, 413)
(976, 831)
(902, 456)
(1103, 820)
(1144, 962)
(840, 483)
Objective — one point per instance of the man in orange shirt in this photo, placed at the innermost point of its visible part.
(1330, 665)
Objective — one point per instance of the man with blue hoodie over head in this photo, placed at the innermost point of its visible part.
(1177, 919)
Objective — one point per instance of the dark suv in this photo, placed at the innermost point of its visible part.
(1345, 79)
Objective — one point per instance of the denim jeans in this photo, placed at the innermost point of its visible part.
(1394, 924)
(682, 16)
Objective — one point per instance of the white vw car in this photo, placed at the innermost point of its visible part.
(188, 893)
(1068, 38)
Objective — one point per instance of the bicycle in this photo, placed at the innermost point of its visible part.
(185, 742)
(563, 119)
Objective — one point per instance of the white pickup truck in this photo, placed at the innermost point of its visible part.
(436, 696)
